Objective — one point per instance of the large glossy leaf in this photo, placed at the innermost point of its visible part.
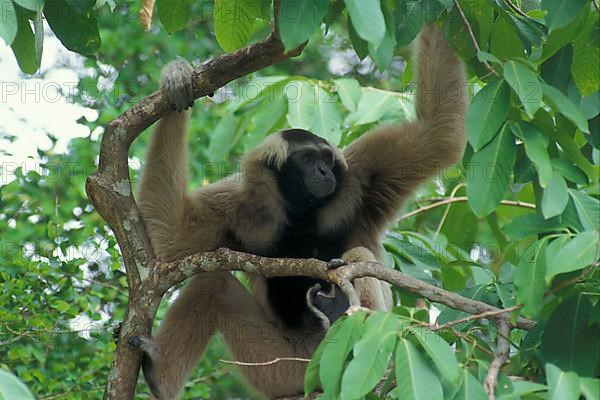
(371, 355)
(588, 209)
(529, 279)
(555, 197)
(471, 388)
(562, 385)
(8, 25)
(77, 32)
(490, 172)
(327, 119)
(302, 105)
(577, 254)
(565, 106)
(222, 138)
(234, 22)
(11, 388)
(442, 355)
(33, 5)
(367, 18)
(175, 14)
(560, 12)
(590, 388)
(298, 19)
(372, 105)
(536, 148)
(526, 85)
(569, 341)
(529, 225)
(487, 113)
(349, 91)
(414, 377)
(383, 51)
(586, 68)
(337, 347)
(24, 47)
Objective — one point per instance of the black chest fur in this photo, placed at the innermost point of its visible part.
(300, 239)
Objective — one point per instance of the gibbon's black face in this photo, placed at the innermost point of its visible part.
(308, 176)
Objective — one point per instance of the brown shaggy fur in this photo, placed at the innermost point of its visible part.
(383, 167)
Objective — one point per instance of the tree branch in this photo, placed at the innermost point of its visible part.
(501, 356)
(109, 190)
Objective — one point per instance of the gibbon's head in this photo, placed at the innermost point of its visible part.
(307, 168)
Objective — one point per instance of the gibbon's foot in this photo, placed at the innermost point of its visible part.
(149, 350)
(336, 263)
(328, 306)
(176, 80)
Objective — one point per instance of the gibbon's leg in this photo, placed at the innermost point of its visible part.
(218, 301)
(373, 293)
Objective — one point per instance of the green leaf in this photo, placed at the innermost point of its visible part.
(536, 148)
(373, 104)
(471, 388)
(33, 5)
(565, 106)
(555, 197)
(222, 138)
(586, 68)
(561, 12)
(415, 379)
(505, 42)
(361, 46)
(590, 387)
(327, 119)
(569, 171)
(525, 226)
(526, 85)
(562, 385)
(338, 345)
(175, 14)
(24, 47)
(529, 278)
(298, 19)
(569, 341)
(440, 352)
(367, 18)
(490, 171)
(11, 388)
(8, 25)
(588, 209)
(349, 91)
(234, 22)
(487, 113)
(77, 32)
(577, 254)
(557, 69)
(311, 376)
(371, 355)
(301, 104)
(383, 52)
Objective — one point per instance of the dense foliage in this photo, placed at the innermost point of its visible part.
(515, 223)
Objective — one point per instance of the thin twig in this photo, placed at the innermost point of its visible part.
(447, 210)
(516, 9)
(261, 364)
(501, 357)
(569, 282)
(472, 36)
(486, 314)
(514, 203)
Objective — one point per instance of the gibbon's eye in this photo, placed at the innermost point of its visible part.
(327, 157)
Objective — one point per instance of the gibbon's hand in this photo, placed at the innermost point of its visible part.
(331, 305)
(176, 81)
(336, 263)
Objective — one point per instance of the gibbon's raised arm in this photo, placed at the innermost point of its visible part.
(393, 160)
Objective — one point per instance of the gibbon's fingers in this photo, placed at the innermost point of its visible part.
(327, 306)
(176, 80)
(336, 263)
